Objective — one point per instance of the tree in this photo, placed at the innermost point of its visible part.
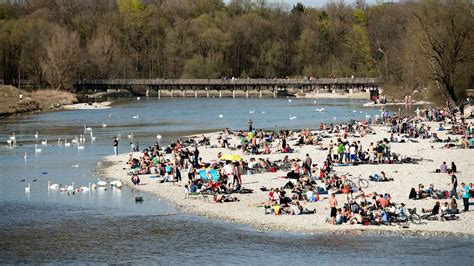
(62, 58)
(445, 42)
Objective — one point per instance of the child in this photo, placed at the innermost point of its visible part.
(186, 192)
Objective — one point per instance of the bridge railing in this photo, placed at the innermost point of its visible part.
(230, 82)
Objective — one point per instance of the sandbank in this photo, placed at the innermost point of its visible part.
(245, 211)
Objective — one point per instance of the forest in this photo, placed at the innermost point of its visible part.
(423, 45)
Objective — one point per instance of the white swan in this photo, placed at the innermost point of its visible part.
(86, 189)
(71, 187)
(289, 100)
(25, 156)
(93, 186)
(28, 188)
(158, 136)
(53, 186)
(138, 98)
(80, 147)
(221, 116)
(293, 117)
(116, 183)
(36, 135)
(252, 112)
(37, 150)
(135, 116)
(104, 125)
(67, 144)
(44, 142)
(320, 110)
(102, 183)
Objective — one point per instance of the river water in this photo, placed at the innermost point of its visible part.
(44, 226)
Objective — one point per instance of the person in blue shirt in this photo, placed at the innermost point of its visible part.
(465, 196)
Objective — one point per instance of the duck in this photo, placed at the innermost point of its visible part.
(53, 186)
(28, 188)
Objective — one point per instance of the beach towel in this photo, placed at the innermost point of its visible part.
(343, 164)
(202, 174)
(214, 175)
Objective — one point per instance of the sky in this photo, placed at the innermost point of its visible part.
(316, 3)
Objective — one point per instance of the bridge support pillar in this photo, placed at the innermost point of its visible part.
(260, 93)
(274, 92)
(220, 93)
(207, 92)
(147, 92)
(233, 93)
(195, 93)
(159, 93)
(171, 92)
(246, 93)
(184, 93)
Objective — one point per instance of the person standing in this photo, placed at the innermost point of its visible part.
(307, 165)
(250, 125)
(196, 156)
(333, 207)
(116, 143)
(454, 184)
(465, 196)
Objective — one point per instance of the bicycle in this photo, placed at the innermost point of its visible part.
(412, 216)
(358, 182)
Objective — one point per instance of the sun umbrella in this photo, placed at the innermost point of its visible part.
(231, 157)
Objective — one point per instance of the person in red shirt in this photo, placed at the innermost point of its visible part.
(382, 202)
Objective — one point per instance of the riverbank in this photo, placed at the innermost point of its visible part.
(14, 101)
(248, 209)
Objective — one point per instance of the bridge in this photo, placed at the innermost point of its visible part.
(226, 87)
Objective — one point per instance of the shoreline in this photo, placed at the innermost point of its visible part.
(244, 211)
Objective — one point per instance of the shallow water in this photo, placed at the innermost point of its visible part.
(108, 226)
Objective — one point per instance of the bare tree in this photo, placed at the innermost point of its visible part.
(62, 57)
(445, 41)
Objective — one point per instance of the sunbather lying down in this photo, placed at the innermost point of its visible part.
(223, 198)
(380, 178)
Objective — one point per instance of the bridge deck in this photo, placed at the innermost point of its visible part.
(231, 82)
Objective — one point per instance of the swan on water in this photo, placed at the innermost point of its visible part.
(28, 188)
(135, 116)
(53, 186)
(221, 116)
(158, 136)
(116, 183)
(71, 187)
(252, 112)
(25, 156)
(80, 147)
(102, 183)
(104, 125)
(67, 144)
(85, 189)
(289, 100)
(36, 135)
(44, 142)
(37, 150)
(320, 110)
(293, 117)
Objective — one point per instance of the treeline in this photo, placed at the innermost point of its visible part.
(409, 44)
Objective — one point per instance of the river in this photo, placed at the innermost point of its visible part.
(44, 226)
